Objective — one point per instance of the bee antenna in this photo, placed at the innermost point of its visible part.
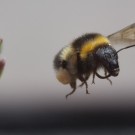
(125, 48)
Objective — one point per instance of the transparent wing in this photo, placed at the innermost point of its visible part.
(126, 36)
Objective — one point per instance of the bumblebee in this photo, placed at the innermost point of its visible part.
(90, 52)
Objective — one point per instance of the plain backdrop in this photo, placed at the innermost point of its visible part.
(33, 31)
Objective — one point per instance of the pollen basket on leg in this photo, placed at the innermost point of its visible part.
(63, 76)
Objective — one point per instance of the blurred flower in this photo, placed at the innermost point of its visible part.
(2, 61)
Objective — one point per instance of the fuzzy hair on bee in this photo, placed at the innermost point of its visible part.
(85, 55)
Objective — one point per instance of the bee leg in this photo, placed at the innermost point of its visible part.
(102, 77)
(107, 77)
(94, 74)
(81, 78)
(86, 78)
(93, 80)
(73, 85)
(84, 81)
(81, 84)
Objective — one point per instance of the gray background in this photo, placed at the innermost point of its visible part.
(35, 30)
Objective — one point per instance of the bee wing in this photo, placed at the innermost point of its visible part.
(126, 36)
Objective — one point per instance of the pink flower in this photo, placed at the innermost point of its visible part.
(2, 61)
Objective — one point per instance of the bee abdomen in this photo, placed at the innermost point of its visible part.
(61, 65)
(63, 76)
(62, 73)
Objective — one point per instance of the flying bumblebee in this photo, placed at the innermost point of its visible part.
(90, 52)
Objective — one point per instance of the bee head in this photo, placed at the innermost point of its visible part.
(108, 58)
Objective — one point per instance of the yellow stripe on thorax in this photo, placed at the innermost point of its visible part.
(90, 45)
